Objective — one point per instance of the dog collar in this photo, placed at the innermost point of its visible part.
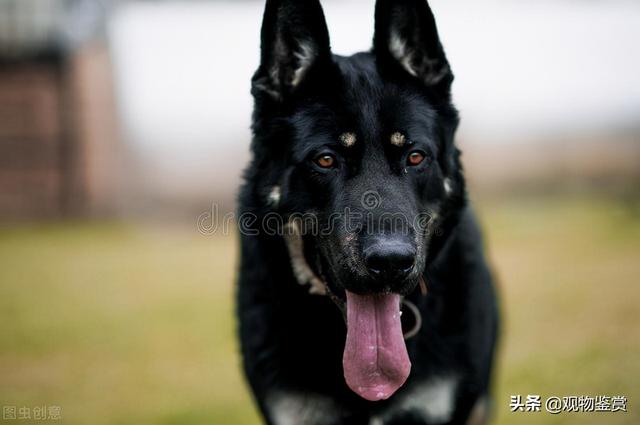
(305, 275)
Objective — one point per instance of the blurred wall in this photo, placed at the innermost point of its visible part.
(30, 132)
(58, 126)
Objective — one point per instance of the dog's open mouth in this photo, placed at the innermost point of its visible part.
(375, 360)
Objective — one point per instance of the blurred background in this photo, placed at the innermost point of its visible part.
(123, 122)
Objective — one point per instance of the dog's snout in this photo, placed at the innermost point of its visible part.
(392, 259)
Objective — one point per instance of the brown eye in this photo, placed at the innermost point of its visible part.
(415, 158)
(325, 161)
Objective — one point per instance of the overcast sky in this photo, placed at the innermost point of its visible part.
(523, 69)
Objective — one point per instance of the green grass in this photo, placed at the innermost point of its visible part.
(121, 324)
(568, 277)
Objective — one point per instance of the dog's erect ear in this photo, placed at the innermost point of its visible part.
(406, 35)
(294, 39)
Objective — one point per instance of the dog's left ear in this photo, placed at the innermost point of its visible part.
(406, 36)
(294, 40)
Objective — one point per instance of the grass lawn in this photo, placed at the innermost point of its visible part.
(124, 324)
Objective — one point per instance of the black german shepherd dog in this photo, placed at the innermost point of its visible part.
(355, 191)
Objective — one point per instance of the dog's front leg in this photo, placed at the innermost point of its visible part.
(262, 293)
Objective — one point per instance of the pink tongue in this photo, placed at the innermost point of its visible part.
(375, 359)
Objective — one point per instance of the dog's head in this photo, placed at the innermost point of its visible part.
(360, 151)
(363, 144)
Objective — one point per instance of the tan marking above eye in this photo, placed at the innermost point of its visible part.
(398, 139)
(348, 139)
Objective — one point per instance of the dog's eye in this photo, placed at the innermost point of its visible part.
(415, 158)
(325, 160)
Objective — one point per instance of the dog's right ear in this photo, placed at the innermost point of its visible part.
(406, 37)
(294, 40)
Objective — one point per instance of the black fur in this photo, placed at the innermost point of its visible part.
(292, 341)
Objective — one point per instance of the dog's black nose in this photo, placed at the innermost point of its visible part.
(391, 259)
